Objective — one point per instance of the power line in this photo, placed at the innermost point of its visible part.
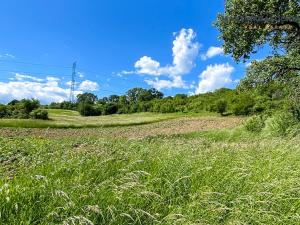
(34, 73)
(36, 64)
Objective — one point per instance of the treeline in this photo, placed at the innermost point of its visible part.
(23, 109)
(223, 101)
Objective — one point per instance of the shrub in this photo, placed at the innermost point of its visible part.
(86, 109)
(39, 114)
(255, 124)
(294, 130)
(3, 111)
(28, 105)
(279, 124)
(110, 108)
(221, 106)
(243, 105)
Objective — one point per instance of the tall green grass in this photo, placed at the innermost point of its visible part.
(225, 177)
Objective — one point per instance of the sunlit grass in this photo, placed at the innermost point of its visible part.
(221, 177)
(71, 119)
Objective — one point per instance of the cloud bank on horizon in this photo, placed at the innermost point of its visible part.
(47, 90)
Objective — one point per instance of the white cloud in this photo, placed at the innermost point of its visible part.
(124, 72)
(53, 79)
(212, 52)
(46, 90)
(88, 85)
(21, 77)
(175, 82)
(214, 77)
(185, 51)
(146, 65)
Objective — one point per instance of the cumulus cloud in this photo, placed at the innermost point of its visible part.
(185, 51)
(160, 84)
(214, 77)
(88, 85)
(212, 52)
(146, 65)
(46, 90)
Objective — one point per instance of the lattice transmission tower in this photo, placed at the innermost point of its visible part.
(72, 88)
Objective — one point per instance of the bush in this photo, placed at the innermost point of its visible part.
(243, 105)
(3, 111)
(255, 124)
(39, 114)
(294, 130)
(221, 106)
(87, 110)
(279, 124)
(110, 108)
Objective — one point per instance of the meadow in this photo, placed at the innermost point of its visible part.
(195, 169)
(71, 119)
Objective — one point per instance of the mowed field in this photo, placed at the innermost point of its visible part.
(148, 169)
(71, 119)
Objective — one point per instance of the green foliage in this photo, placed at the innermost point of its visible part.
(19, 109)
(221, 106)
(255, 124)
(279, 124)
(87, 98)
(221, 101)
(110, 108)
(3, 111)
(86, 109)
(243, 105)
(246, 25)
(40, 114)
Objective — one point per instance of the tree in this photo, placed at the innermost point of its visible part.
(155, 94)
(249, 24)
(86, 109)
(39, 114)
(221, 106)
(136, 95)
(87, 98)
(27, 105)
(13, 102)
(113, 98)
(3, 111)
(282, 69)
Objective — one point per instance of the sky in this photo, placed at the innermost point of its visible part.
(170, 45)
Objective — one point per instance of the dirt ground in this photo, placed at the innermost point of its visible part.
(170, 127)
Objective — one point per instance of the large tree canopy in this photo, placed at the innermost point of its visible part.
(249, 24)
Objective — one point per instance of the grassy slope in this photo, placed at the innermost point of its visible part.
(221, 177)
(72, 119)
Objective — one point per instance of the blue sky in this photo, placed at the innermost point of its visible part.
(170, 45)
